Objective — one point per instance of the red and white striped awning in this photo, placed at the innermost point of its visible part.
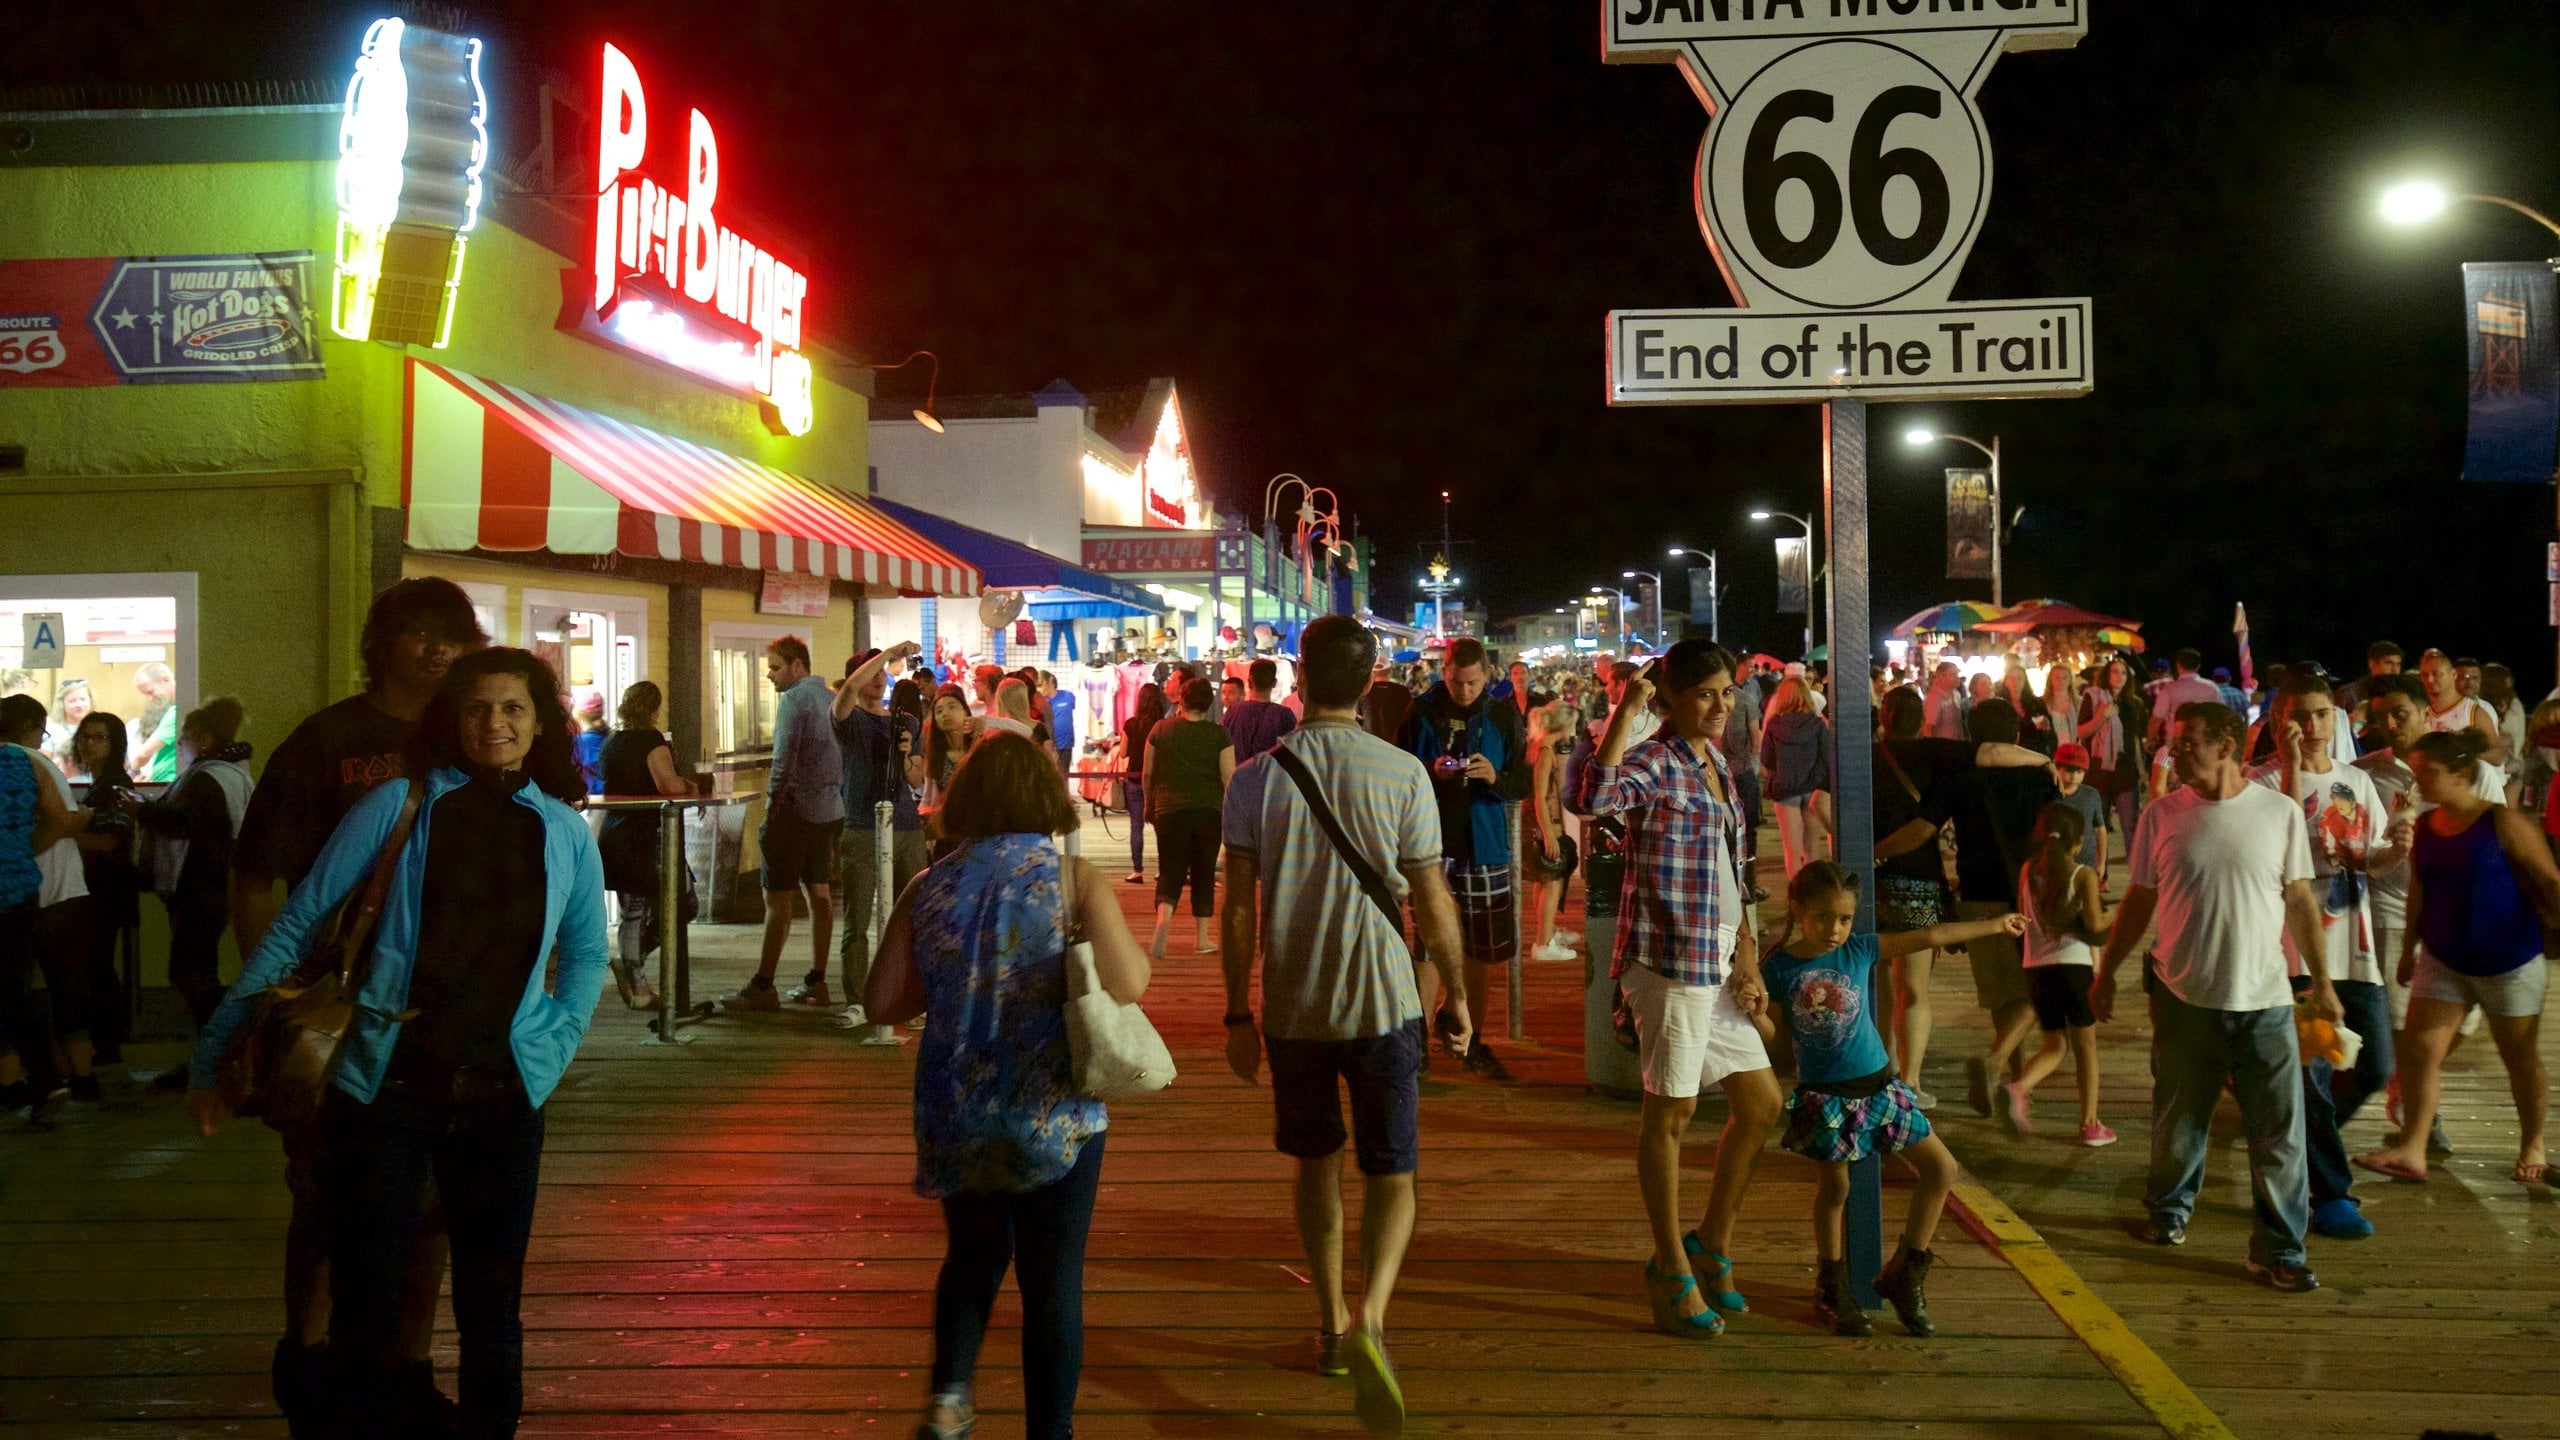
(486, 466)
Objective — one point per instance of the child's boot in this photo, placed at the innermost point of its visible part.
(1833, 1304)
(1905, 1282)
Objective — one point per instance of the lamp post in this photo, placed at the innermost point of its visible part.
(1314, 526)
(1999, 516)
(1715, 590)
(1814, 573)
(1437, 584)
(1604, 593)
(2415, 202)
(1657, 600)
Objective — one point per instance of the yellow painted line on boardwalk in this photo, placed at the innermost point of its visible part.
(2147, 1377)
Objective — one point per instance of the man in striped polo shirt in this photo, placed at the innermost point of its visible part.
(1338, 996)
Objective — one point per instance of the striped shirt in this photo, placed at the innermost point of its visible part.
(1333, 967)
(1682, 912)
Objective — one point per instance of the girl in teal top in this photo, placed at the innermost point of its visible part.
(1848, 1102)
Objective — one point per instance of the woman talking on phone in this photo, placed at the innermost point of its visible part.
(459, 1042)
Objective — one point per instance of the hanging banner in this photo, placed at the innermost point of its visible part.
(1969, 522)
(1795, 576)
(2509, 311)
(1702, 596)
(136, 320)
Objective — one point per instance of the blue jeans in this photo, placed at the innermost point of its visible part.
(379, 1166)
(1041, 1233)
(1134, 795)
(2194, 1052)
(2330, 1098)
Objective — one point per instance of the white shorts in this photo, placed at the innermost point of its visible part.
(2516, 993)
(2387, 948)
(1688, 1036)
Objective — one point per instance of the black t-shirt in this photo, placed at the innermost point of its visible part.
(872, 770)
(479, 930)
(1932, 767)
(312, 780)
(1995, 818)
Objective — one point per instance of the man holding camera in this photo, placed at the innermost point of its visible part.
(1478, 755)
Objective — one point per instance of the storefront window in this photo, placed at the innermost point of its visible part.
(594, 643)
(127, 649)
(742, 700)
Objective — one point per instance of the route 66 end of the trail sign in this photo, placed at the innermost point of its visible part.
(1841, 184)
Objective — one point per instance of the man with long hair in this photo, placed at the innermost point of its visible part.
(412, 635)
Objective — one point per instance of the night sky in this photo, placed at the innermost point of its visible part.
(1375, 244)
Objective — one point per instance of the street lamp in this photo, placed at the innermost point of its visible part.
(1715, 590)
(1657, 600)
(1438, 584)
(1814, 575)
(2415, 202)
(1604, 592)
(1922, 435)
(1316, 525)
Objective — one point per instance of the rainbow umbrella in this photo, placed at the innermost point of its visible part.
(1955, 615)
(2113, 638)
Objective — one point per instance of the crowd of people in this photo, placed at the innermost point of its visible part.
(2338, 885)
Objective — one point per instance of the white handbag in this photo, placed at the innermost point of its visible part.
(1114, 1047)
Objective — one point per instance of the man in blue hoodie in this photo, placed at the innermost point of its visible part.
(1477, 752)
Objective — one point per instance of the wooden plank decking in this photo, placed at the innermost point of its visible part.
(727, 1245)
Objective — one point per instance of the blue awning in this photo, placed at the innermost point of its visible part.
(1058, 590)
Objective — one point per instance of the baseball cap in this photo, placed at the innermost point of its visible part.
(2071, 757)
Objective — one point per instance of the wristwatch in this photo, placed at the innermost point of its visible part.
(1241, 1017)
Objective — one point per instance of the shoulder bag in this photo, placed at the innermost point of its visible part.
(1372, 884)
(278, 1066)
(1113, 1047)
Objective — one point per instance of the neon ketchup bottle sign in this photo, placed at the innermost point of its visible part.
(673, 280)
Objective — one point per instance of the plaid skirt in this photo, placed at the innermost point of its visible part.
(1822, 1126)
(1487, 928)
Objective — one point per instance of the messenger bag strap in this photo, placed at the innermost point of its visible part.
(1371, 882)
(358, 927)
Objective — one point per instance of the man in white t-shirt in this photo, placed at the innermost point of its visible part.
(2448, 710)
(2224, 866)
(2351, 835)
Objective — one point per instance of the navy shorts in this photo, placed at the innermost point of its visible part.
(797, 852)
(1385, 1072)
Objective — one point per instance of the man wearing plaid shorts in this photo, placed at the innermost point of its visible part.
(1477, 752)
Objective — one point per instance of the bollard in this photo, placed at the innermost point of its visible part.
(671, 926)
(1519, 924)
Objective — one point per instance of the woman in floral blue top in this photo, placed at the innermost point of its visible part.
(978, 946)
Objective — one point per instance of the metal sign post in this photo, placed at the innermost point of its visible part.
(1841, 185)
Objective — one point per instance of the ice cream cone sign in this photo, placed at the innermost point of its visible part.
(2240, 627)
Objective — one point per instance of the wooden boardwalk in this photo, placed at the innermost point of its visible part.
(727, 1244)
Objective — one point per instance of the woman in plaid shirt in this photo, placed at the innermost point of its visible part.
(1688, 958)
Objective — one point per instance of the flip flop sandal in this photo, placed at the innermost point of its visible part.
(2541, 1172)
(2391, 1169)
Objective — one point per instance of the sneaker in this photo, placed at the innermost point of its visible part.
(1482, 1061)
(2162, 1230)
(2286, 1279)
(948, 1416)
(754, 995)
(1924, 1099)
(1329, 1359)
(2015, 1112)
(1977, 1086)
(851, 1017)
(1569, 937)
(2094, 1136)
(2340, 1219)
(1378, 1398)
(1133, 878)
(812, 993)
(1553, 950)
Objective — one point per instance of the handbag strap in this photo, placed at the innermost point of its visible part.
(1070, 922)
(1372, 883)
(358, 926)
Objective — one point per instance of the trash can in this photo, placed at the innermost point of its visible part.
(1603, 870)
(1609, 1066)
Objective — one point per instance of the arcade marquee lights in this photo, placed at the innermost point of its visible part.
(673, 281)
(412, 140)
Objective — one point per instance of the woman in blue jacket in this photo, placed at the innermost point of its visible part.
(500, 873)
